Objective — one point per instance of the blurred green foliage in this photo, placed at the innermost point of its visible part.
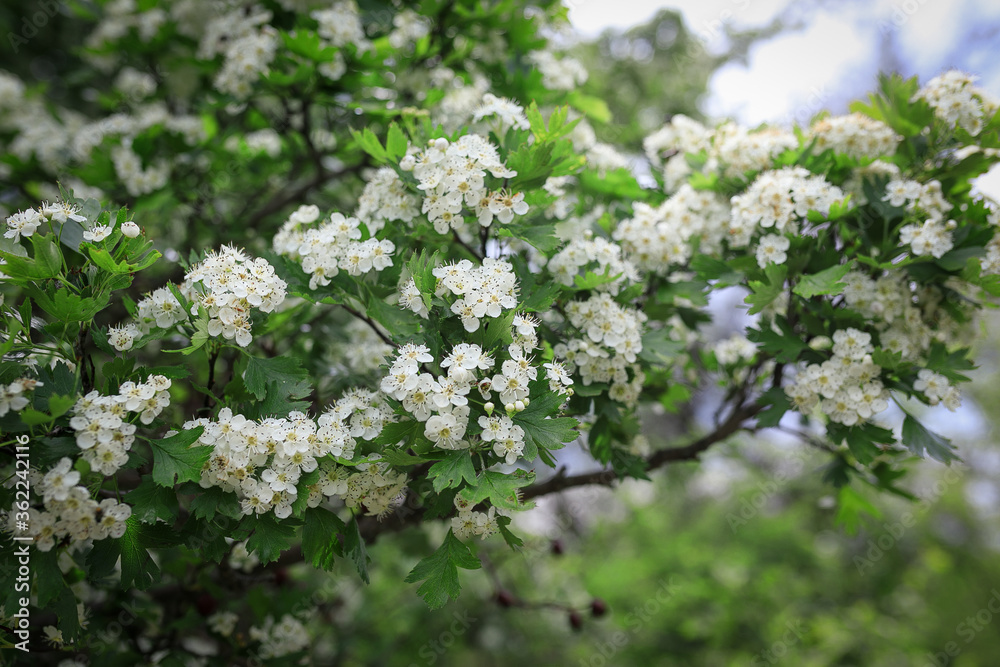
(686, 584)
(646, 75)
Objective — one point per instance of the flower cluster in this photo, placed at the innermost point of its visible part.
(408, 28)
(778, 200)
(909, 318)
(658, 238)
(936, 388)
(281, 638)
(69, 513)
(558, 74)
(12, 395)
(920, 197)
(582, 254)
(606, 325)
(484, 291)
(340, 25)
(772, 250)
(25, 223)
(508, 113)
(102, 431)
(336, 244)
(229, 285)
(931, 238)
(137, 180)
(957, 101)
(160, 308)
(248, 45)
(846, 386)
(856, 135)
(263, 461)
(453, 178)
(468, 522)
(386, 199)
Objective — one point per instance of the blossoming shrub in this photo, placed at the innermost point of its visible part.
(510, 289)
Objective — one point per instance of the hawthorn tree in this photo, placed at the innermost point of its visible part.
(279, 278)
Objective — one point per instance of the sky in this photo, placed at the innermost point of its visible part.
(829, 56)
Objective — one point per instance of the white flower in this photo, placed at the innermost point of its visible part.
(130, 229)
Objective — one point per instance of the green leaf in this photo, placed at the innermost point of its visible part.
(541, 431)
(281, 400)
(151, 501)
(827, 281)
(591, 280)
(450, 472)
(270, 537)
(658, 348)
(541, 236)
(500, 489)
(354, 546)
(370, 144)
(922, 442)
(439, 571)
(777, 405)
(48, 258)
(213, 502)
(764, 293)
(851, 506)
(286, 371)
(396, 143)
(784, 347)
(319, 538)
(174, 458)
(593, 107)
(139, 570)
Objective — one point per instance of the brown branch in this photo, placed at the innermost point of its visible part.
(298, 193)
(658, 459)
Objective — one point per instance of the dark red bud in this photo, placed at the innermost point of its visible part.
(505, 598)
(206, 604)
(557, 548)
(575, 621)
(598, 607)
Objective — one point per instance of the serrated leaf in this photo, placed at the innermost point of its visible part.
(541, 236)
(764, 293)
(851, 506)
(827, 281)
(922, 442)
(286, 371)
(396, 143)
(151, 501)
(777, 405)
(500, 489)
(175, 459)
(213, 502)
(270, 537)
(439, 571)
(452, 471)
(354, 546)
(320, 544)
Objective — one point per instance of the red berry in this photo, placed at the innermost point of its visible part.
(598, 607)
(575, 621)
(206, 604)
(505, 598)
(557, 548)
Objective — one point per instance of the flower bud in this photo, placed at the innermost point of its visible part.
(408, 163)
(509, 408)
(519, 406)
(527, 401)
(489, 408)
(598, 607)
(130, 229)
